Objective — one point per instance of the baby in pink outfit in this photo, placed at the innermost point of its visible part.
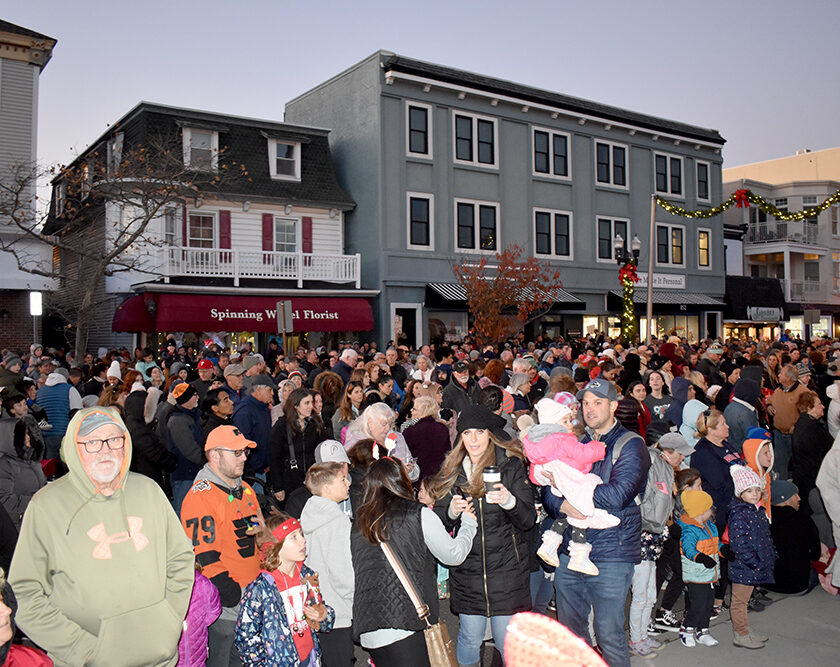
(552, 448)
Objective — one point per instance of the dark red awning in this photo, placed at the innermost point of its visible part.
(204, 312)
(132, 315)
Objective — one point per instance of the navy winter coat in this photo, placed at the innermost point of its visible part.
(750, 539)
(253, 418)
(713, 462)
(622, 483)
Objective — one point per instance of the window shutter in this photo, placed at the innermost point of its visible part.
(184, 237)
(267, 236)
(306, 235)
(224, 234)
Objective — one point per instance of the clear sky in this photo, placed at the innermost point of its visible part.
(763, 73)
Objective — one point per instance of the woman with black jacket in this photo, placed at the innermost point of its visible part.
(149, 456)
(294, 438)
(494, 580)
(811, 442)
(384, 619)
(21, 476)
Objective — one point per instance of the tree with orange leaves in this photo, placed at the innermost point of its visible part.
(506, 294)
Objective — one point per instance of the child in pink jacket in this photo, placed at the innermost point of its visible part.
(205, 607)
(557, 459)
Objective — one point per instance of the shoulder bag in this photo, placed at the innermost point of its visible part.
(440, 646)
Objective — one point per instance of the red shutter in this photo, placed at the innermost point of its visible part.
(267, 235)
(306, 235)
(224, 234)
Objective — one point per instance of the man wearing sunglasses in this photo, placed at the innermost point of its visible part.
(102, 570)
(221, 516)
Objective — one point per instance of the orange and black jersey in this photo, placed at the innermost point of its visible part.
(217, 521)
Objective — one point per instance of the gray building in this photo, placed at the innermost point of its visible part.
(446, 166)
(23, 55)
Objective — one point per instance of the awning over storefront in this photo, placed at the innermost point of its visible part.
(672, 297)
(203, 312)
(453, 295)
(754, 299)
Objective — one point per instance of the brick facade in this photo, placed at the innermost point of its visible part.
(15, 321)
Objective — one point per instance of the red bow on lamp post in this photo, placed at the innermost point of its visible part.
(628, 271)
(742, 198)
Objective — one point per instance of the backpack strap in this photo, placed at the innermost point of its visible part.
(623, 439)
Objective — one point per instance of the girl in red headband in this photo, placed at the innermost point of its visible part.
(282, 609)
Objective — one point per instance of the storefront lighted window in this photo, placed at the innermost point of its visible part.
(684, 326)
(796, 325)
(608, 324)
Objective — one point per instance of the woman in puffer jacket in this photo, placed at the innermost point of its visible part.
(21, 475)
(494, 580)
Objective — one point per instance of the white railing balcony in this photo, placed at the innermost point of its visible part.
(238, 264)
(797, 231)
(804, 291)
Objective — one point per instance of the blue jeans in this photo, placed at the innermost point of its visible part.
(471, 636)
(782, 451)
(606, 594)
(542, 590)
(180, 488)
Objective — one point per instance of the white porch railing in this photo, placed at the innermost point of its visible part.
(798, 291)
(798, 231)
(237, 264)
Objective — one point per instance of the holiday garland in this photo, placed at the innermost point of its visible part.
(742, 199)
(628, 278)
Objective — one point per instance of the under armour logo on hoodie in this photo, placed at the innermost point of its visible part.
(102, 550)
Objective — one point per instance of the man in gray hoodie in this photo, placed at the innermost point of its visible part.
(327, 531)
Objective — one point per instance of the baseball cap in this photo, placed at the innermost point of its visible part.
(263, 380)
(96, 418)
(601, 388)
(716, 348)
(229, 437)
(531, 360)
(676, 441)
(782, 490)
(234, 369)
(331, 450)
(460, 367)
(205, 364)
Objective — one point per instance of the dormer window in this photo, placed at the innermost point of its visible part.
(201, 149)
(284, 159)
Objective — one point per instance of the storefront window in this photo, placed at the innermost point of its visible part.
(823, 328)
(447, 326)
(796, 326)
(684, 326)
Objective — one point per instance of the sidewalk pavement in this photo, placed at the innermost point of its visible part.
(804, 630)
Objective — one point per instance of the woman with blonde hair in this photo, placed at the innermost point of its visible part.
(494, 580)
(377, 423)
(426, 436)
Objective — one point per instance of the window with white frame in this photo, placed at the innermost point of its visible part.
(703, 188)
(607, 230)
(475, 140)
(476, 226)
(809, 201)
(611, 164)
(553, 234)
(420, 218)
(669, 245)
(284, 159)
(285, 234)
(551, 153)
(668, 171)
(114, 152)
(201, 229)
(757, 215)
(61, 198)
(170, 228)
(835, 220)
(87, 179)
(835, 266)
(419, 129)
(201, 149)
(781, 204)
(704, 248)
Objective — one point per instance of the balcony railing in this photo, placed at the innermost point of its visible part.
(804, 291)
(797, 231)
(237, 264)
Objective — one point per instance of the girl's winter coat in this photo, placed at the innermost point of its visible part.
(696, 539)
(205, 607)
(752, 542)
(263, 636)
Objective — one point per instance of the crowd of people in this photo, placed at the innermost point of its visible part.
(181, 506)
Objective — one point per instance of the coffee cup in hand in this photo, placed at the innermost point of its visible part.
(492, 476)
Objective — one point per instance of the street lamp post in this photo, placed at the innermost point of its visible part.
(627, 259)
